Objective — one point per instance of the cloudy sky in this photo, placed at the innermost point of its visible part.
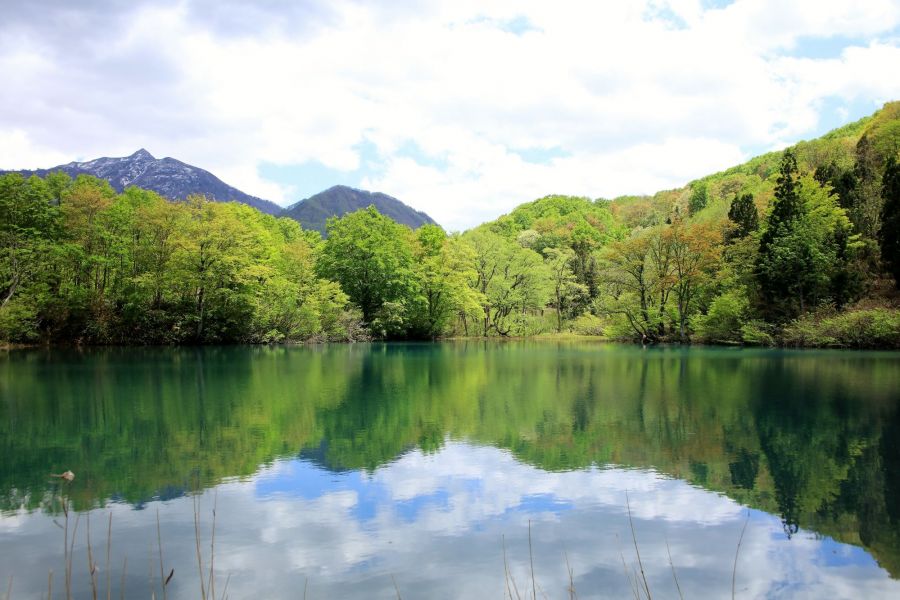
(463, 109)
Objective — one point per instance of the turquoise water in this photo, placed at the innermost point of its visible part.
(363, 470)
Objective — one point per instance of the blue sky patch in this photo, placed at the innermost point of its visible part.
(540, 156)
(666, 15)
(412, 150)
(836, 112)
(518, 25)
(543, 503)
(836, 554)
(312, 177)
(408, 510)
(819, 48)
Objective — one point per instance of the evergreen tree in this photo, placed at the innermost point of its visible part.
(786, 207)
(889, 234)
(774, 283)
(744, 216)
(805, 248)
(842, 181)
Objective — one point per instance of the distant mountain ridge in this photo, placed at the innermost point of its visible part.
(167, 177)
(314, 212)
(176, 180)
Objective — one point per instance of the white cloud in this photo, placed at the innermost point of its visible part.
(639, 96)
(17, 149)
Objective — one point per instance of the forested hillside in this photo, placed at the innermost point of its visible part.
(314, 212)
(800, 247)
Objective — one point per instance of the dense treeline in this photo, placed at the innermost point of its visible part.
(83, 264)
(800, 247)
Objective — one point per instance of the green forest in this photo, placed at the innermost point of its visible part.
(795, 248)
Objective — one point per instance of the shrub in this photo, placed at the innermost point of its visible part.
(757, 333)
(723, 322)
(588, 324)
(872, 328)
(18, 322)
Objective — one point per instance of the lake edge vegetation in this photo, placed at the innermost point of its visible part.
(796, 248)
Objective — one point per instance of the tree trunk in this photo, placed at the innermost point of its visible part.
(201, 306)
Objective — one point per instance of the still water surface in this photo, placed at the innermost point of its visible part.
(361, 471)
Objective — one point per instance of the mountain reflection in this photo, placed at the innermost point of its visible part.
(468, 435)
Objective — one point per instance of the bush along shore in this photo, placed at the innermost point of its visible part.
(794, 248)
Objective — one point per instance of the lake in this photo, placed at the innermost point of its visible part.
(447, 470)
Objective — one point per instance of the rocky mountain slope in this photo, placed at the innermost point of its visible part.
(168, 177)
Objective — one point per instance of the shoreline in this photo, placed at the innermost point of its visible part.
(554, 337)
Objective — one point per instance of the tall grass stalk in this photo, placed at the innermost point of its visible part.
(212, 549)
(674, 575)
(159, 546)
(197, 541)
(736, 553)
(92, 568)
(631, 582)
(66, 573)
(228, 580)
(531, 559)
(394, 581)
(507, 574)
(122, 584)
(636, 551)
(108, 566)
(69, 553)
(573, 595)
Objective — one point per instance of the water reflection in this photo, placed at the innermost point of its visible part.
(350, 464)
(437, 524)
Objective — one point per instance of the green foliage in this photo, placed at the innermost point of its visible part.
(874, 328)
(743, 216)
(889, 234)
(842, 181)
(511, 281)
(883, 133)
(444, 268)
(865, 201)
(723, 321)
(588, 324)
(699, 198)
(84, 264)
(805, 248)
(29, 236)
(371, 257)
(656, 278)
(80, 263)
(565, 222)
(567, 293)
(758, 333)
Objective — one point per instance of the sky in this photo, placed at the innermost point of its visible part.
(462, 109)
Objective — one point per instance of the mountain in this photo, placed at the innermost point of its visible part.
(313, 212)
(166, 176)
